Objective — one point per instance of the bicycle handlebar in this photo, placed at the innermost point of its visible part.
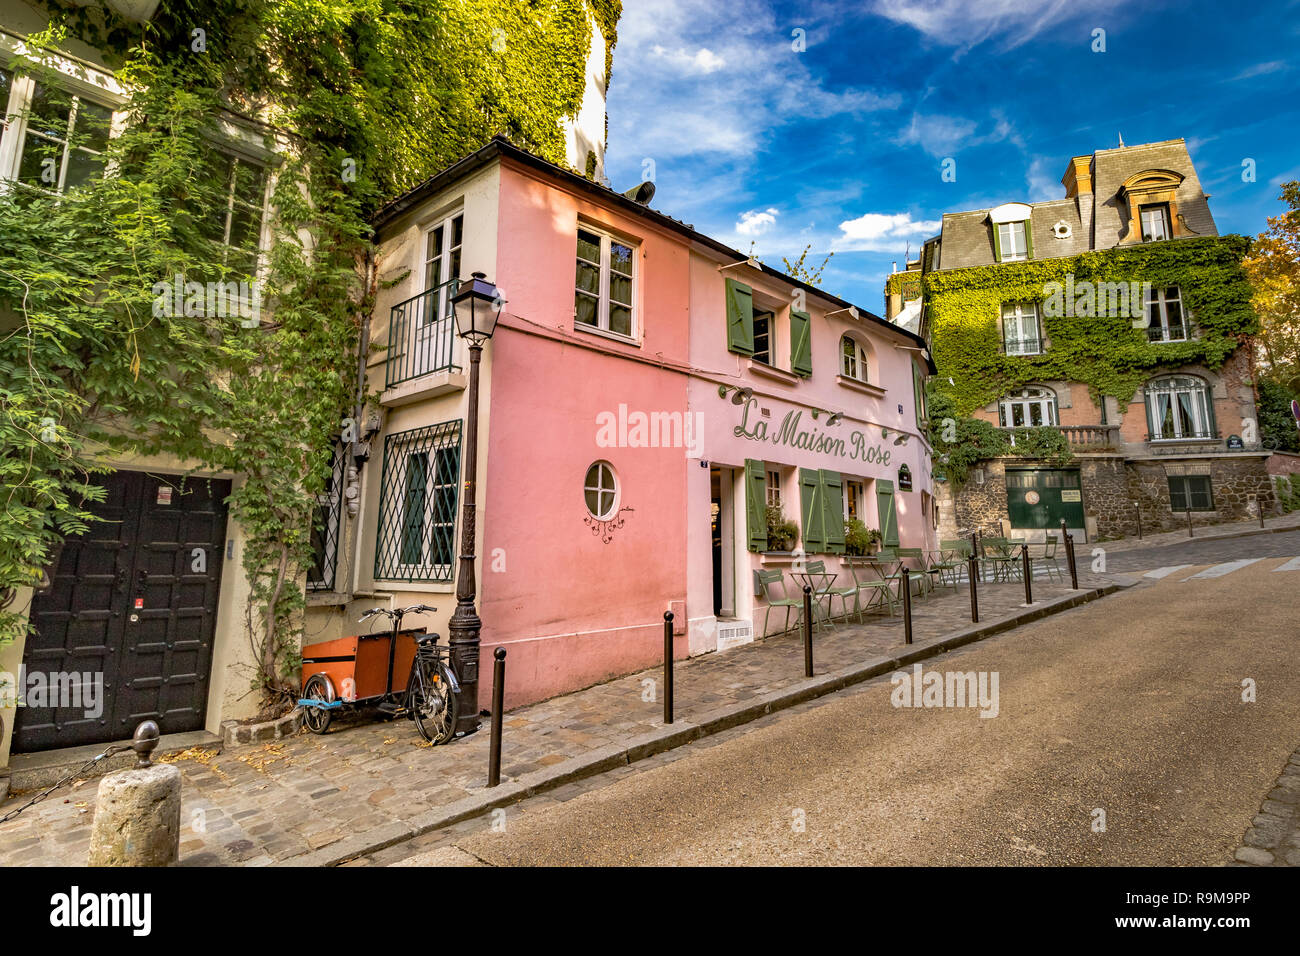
(393, 614)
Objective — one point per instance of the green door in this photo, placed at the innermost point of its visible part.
(885, 511)
(1040, 498)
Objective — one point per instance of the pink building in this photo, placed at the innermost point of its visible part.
(647, 394)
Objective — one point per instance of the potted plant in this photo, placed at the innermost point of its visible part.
(781, 532)
(858, 538)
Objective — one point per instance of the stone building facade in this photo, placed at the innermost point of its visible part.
(1183, 446)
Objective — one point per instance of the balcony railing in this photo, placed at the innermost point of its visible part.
(1203, 434)
(1032, 346)
(1169, 333)
(421, 335)
(1082, 436)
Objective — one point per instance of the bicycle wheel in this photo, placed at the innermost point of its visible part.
(317, 719)
(432, 704)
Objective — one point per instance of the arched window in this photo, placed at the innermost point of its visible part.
(1027, 407)
(1178, 406)
(853, 359)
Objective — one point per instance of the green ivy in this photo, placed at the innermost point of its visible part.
(368, 97)
(960, 442)
(1105, 353)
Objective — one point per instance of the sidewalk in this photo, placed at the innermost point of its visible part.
(320, 800)
(1228, 529)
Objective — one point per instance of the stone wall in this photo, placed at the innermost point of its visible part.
(1106, 495)
(1235, 480)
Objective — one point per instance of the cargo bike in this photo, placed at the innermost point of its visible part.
(399, 672)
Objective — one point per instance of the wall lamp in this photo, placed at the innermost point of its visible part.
(739, 395)
(851, 310)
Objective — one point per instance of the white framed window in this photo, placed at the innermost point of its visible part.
(853, 359)
(600, 489)
(54, 140)
(764, 337)
(442, 247)
(237, 221)
(604, 284)
(1178, 407)
(774, 489)
(1155, 222)
(1166, 321)
(1030, 407)
(1012, 244)
(1020, 331)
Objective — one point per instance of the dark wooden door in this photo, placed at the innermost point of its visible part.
(132, 612)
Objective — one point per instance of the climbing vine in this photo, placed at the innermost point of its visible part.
(1104, 352)
(351, 102)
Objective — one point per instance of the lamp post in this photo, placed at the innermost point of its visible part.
(477, 306)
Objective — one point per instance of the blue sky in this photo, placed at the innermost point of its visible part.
(842, 145)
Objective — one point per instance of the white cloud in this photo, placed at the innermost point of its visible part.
(1260, 69)
(881, 232)
(1042, 184)
(967, 23)
(755, 222)
(946, 135)
(703, 60)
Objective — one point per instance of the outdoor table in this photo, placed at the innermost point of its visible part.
(819, 582)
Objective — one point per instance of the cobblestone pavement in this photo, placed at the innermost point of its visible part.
(1204, 532)
(256, 805)
(1196, 551)
(1274, 837)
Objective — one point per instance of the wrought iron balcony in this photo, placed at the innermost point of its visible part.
(421, 335)
(1167, 333)
(1030, 346)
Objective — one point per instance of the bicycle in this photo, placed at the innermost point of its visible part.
(365, 670)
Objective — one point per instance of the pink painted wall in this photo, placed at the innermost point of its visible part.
(570, 608)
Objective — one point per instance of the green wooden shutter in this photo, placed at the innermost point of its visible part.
(740, 317)
(800, 343)
(997, 244)
(1029, 239)
(832, 494)
(756, 504)
(810, 495)
(888, 516)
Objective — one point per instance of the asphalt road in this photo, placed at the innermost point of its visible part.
(1199, 551)
(1131, 705)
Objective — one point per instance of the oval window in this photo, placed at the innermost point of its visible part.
(601, 490)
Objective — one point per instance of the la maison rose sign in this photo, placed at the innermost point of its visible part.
(792, 434)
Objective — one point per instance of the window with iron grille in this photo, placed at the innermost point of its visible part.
(327, 526)
(1190, 492)
(417, 504)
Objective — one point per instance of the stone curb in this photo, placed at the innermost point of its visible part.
(674, 735)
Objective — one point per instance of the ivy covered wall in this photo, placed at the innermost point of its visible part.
(1104, 352)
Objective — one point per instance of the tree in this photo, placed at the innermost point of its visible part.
(799, 268)
(1273, 266)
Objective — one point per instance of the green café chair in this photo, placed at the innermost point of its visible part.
(1000, 556)
(947, 567)
(773, 589)
(823, 588)
(880, 590)
(921, 573)
(1048, 558)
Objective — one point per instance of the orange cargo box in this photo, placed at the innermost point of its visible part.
(357, 666)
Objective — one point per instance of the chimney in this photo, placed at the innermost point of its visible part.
(1078, 186)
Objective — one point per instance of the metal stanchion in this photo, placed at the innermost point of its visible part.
(498, 705)
(1137, 509)
(1028, 571)
(972, 566)
(1189, 521)
(807, 631)
(1069, 556)
(668, 667)
(907, 606)
(1260, 506)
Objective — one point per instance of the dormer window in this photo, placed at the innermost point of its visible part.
(1013, 240)
(1155, 222)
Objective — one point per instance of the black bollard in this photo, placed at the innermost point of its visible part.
(1189, 521)
(907, 606)
(807, 631)
(498, 705)
(972, 565)
(1028, 570)
(668, 667)
(1137, 508)
(1069, 558)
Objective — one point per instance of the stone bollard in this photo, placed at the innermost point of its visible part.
(138, 812)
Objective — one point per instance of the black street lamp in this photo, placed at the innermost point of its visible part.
(477, 306)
